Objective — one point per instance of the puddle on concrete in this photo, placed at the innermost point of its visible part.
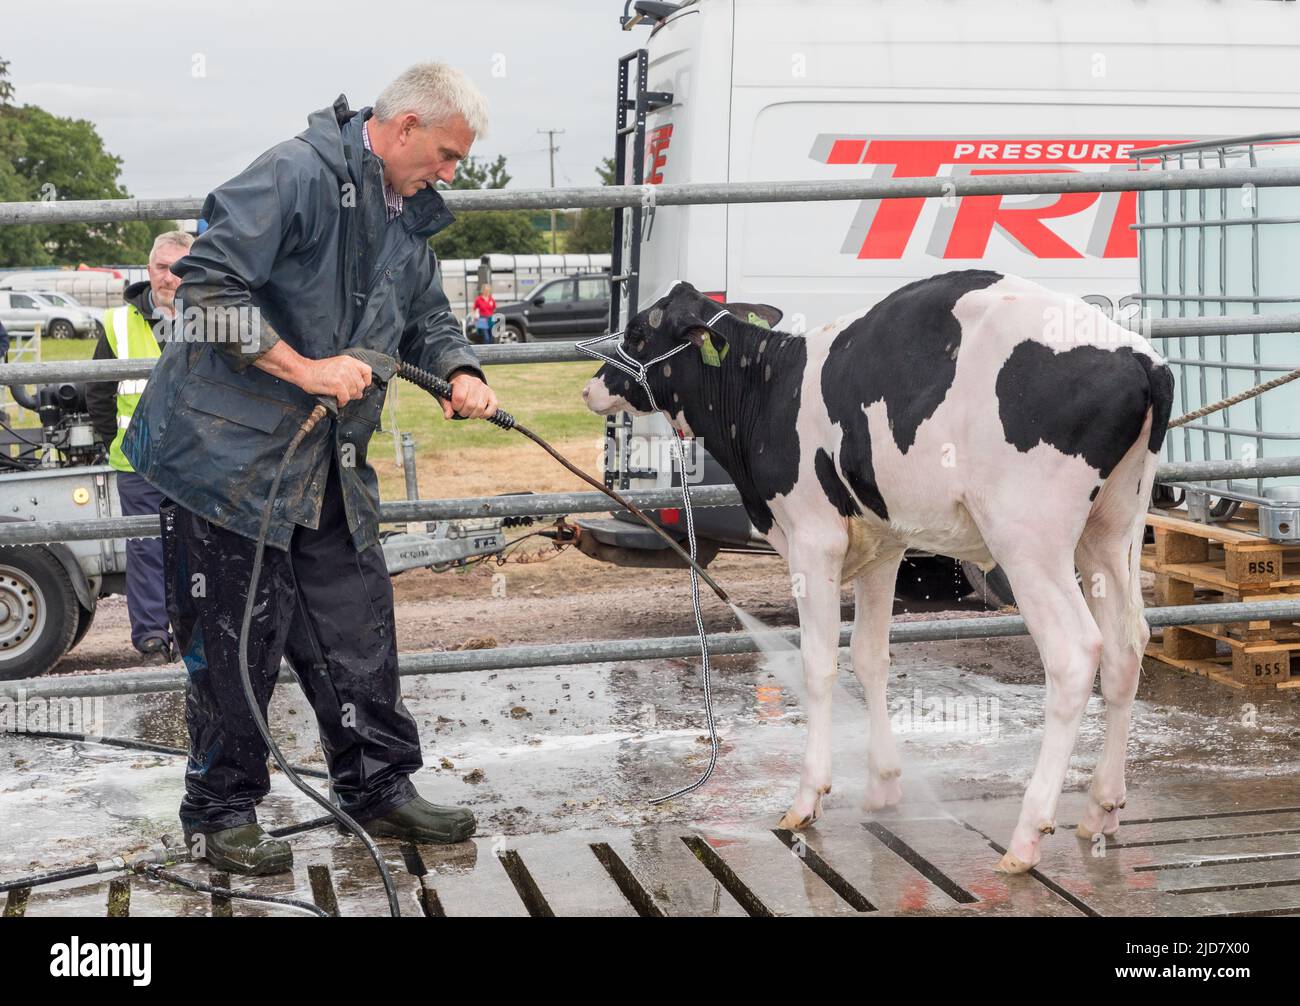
(588, 746)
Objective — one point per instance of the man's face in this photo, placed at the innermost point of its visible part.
(161, 278)
(423, 154)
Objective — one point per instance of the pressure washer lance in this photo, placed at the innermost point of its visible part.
(442, 389)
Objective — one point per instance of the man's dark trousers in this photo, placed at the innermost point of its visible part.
(329, 610)
(146, 598)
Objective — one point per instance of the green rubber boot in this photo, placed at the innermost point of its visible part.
(418, 821)
(244, 849)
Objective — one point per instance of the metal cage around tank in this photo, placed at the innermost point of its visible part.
(1210, 252)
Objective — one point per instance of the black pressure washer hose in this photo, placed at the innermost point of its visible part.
(441, 389)
(307, 425)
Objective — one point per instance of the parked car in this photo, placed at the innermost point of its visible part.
(564, 308)
(66, 300)
(24, 310)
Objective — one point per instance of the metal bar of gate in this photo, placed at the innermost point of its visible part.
(607, 650)
(618, 650)
(699, 193)
(125, 370)
(566, 351)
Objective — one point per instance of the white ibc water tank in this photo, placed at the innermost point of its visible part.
(1226, 253)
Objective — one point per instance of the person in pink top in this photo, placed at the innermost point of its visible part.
(484, 307)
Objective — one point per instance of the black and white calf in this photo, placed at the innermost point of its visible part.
(971, 414)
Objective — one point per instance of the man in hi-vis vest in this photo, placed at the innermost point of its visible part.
(133, 332)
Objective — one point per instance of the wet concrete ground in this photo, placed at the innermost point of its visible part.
(559, 765)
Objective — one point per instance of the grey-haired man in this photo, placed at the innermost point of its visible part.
(319, 246)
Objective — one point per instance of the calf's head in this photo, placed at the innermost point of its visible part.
(684, 320)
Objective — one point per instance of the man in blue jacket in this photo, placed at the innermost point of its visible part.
(317, 247)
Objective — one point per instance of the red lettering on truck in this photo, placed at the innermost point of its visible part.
(890, 223)
(656, 149)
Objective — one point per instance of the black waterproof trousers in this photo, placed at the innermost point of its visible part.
(329, 610)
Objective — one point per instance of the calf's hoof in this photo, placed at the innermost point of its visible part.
(796, 820)
(1101, 817)
(1013, 864)
(882, 792)
(1089, 834)
(792, 820)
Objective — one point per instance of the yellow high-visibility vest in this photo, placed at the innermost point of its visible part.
(139, 344)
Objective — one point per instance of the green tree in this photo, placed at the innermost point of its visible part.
(12, 188)
(509, 232)
(593, 232)
(47, 157)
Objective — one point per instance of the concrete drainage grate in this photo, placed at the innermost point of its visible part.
(1234, 862)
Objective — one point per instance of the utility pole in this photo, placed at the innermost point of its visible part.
(550, 142)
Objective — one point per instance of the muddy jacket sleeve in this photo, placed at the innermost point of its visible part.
(433, 339)
(253, 220)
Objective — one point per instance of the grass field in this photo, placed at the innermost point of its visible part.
(66, 349)
(545, 397)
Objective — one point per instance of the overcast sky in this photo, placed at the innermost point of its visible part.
(130, 68)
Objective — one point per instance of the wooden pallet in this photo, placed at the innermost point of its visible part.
(1207, 563)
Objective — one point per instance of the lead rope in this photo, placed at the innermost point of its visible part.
(637, 371)
(1243, 396)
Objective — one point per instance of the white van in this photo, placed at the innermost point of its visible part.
(91, 288)
(773, 90)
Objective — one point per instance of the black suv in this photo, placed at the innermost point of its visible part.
(557, 309)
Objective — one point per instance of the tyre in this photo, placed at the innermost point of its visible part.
(39, 613)
(993, 587)
(84, 620)
(99, 329)
(61, 328)
(509, 334)
(931, 578)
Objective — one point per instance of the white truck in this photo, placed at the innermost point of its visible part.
(774, 90)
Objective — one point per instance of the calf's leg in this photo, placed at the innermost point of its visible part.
(1038, 558)
(1104, 563)
(1069, 644)
(1109, 557)
(873, 591)
(815, 565)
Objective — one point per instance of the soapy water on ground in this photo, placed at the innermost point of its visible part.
(584, 746)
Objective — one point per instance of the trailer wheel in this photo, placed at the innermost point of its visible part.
(931, 578)
(39, 612)
(993, 587)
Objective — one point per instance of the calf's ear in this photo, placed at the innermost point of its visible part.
(756, 314)
(712, 344)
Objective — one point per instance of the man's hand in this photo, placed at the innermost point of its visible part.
(470, 398)
(343, 378)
